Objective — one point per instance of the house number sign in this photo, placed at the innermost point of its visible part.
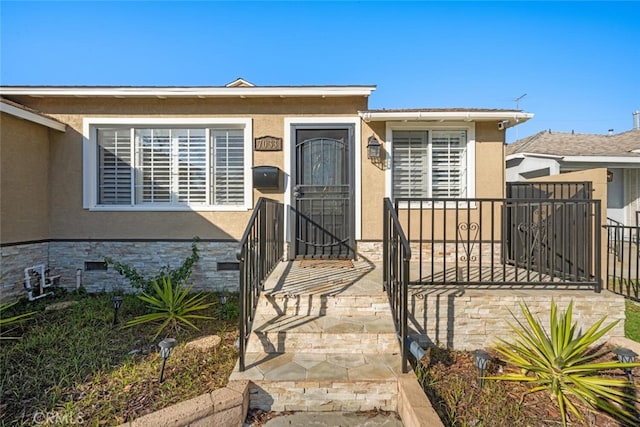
(267, 143)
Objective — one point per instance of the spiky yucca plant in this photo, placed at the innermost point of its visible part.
(171, 305)
(562, 362)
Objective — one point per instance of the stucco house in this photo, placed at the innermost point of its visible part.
(550, 153)
(410, 202)
(135, 173)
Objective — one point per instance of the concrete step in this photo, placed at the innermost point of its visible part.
(325, 334)
(322, 382)
(319, 304)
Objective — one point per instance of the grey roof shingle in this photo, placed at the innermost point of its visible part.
(578, 144)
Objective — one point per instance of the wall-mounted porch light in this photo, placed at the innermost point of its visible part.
(374, 148)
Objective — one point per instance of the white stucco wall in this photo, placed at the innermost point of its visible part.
(531, 164)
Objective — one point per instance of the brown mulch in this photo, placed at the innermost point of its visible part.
(453, 388)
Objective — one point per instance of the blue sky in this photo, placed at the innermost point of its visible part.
(577, 62)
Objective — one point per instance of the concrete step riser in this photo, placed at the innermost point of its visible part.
(323, 396)
(288, 342)
(322, 306)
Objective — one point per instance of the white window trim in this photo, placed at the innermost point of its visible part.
(89, 160)
(289, 123)
(470, 128)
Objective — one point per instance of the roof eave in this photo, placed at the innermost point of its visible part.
(601, 159)
(509, 119)
(188, 92)
(32, 117)
(525, 155)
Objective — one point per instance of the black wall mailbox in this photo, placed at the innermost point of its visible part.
(266, 177)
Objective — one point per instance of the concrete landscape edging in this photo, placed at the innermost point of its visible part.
(227, 406)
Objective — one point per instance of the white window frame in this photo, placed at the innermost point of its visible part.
(90, 160)
(470, 128)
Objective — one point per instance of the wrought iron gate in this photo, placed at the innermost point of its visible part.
(552, 238)
(323, 193)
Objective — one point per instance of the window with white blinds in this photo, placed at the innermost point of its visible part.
(171, 166)
(228, 167)
(410, 164)
(448, 164)
(429, 163)
(114, 166)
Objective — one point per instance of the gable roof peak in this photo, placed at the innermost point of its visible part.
(240, 82)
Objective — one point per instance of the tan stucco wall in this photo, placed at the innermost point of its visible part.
(24, 180)
(70, 221)
(490, 163)
(373, 182)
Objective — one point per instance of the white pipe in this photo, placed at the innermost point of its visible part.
(78, 278)
(39, 269)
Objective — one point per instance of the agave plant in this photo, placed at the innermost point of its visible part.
(10, 321)
(171, 305)
(563, 362)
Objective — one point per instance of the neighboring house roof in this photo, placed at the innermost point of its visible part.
(576, 144)
(237, 88)
(508, 118)
(26, 113)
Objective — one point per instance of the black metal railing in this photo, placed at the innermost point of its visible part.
(261, 248)
(498, 242)
(615, 231)
(623, 259)
(396, 253)
(550, 190)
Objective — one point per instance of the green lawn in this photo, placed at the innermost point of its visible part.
(632, 324)
(73, 366)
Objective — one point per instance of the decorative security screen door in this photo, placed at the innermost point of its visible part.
(323, 193)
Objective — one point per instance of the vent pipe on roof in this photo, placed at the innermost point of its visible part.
(610, 132)
(636, 120)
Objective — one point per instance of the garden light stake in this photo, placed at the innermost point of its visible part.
(117, 301)
(481, 359)
(166, 345)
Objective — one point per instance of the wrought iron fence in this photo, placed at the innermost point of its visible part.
(503, 242)
(396, 254)
(623, 259)
(260, 250)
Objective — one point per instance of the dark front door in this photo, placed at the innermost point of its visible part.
(323, 193)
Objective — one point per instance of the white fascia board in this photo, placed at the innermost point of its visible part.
(525, 155)
(32, 117)
(380, 116)
(601, 159)
(203, 92)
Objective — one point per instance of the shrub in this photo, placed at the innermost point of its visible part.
(564, 363)
(171, 305)
(178, 276)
